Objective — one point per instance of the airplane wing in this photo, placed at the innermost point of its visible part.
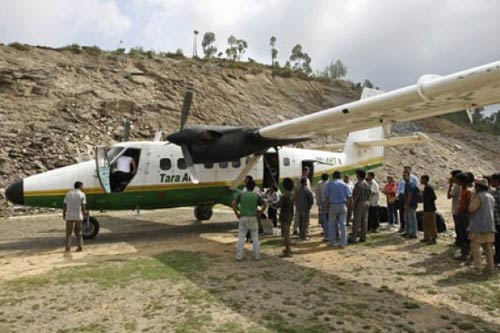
(432, 95)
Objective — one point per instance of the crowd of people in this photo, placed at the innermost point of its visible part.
(475, 205)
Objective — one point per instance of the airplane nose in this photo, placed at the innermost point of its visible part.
(15, 193)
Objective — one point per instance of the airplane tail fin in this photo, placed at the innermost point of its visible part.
(361, 156)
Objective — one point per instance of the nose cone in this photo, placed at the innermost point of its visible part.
(179, 138)
(15, 193)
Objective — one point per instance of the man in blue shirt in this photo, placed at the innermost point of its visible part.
(337, 196)
(400, 194)
(411, 202)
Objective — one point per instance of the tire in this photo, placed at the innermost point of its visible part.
(91, 229)
(203, 213)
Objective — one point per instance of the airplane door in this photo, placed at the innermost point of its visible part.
(271, 169)
(103, 168)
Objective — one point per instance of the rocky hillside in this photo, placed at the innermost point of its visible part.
(58, 104)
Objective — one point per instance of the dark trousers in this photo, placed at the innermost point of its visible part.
(463, 225)
(497, 245)
(303, 223)
(392, 213)
(272, 215)
(373, 220)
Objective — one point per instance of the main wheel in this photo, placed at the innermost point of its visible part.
(203, 213)
(90, 228)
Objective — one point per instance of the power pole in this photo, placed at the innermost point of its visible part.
(195, 44)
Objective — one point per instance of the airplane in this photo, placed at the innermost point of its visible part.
(200, 166)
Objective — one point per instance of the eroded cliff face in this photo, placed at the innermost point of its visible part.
(56, 105)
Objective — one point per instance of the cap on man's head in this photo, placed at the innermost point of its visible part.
(481, 181)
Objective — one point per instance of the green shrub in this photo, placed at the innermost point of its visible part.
(19, 46)
(94, 50)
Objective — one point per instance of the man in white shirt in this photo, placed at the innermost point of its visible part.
(373, 218)
(75, 208)
(350, 185)
(305, 174)
(125, 166)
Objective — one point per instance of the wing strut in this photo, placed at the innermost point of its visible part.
(251, 163)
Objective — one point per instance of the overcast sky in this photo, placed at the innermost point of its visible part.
(391, 42)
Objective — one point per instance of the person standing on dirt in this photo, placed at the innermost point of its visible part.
(401, 200)
(286, 204)
(273, 196)
(74, 210)
(464, 180)
(320, 202)
(304, 201)
(411, 204)
(245, 207)
(305, 174)
(361, 203)
(349, 184)
(390, 191)
(373, 222)
(453, 193)
(482, 225)
(337, 194)
(429, 222)
(495, 184)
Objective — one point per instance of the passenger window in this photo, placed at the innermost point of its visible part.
(286, 161)
(181, 164)
(165, 164)
(236, 164)
(223, 165)
(208, 165)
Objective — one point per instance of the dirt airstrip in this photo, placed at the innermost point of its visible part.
(162, 272)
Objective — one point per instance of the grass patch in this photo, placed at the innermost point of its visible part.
(273, 243)
(170, 265)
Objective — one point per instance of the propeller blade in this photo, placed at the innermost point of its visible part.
(186, 106)
(189, 163)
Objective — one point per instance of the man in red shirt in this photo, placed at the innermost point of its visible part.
(464, 180)
(390, 190)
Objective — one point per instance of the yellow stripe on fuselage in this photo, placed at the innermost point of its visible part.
(161, 187)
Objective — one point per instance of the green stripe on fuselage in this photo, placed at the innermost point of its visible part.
(154, 199)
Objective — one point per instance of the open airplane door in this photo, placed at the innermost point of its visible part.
(103, 168)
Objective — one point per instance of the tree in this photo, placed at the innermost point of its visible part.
(274, 52)
(232, 50)
(302, 60)
(207, 43)
(368, 84)
(241, 46)
(336, 70)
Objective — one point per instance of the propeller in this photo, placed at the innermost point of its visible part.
(186, 106)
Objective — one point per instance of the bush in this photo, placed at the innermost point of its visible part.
(94, 50)
(119, 51)
(136, 51)
(75, 48)
(19, 46)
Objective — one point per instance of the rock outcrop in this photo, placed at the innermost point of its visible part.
(58, 104)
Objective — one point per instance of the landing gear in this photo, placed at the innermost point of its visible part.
(90, 228)
(203, 213)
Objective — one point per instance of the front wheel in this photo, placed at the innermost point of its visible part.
(203, 213)
(90, 228)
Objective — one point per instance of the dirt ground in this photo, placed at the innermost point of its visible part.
(162, 272)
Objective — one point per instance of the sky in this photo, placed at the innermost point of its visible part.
(390, 42)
